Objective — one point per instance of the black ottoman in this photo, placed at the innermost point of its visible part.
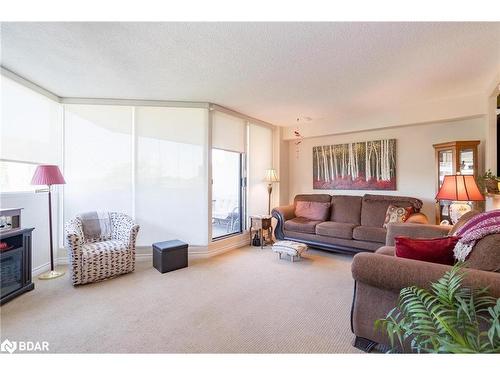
(170, 255)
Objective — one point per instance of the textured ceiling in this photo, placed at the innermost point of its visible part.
(273, 71)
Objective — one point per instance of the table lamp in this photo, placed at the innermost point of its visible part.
(49, 175)
(459, 188)
(271, 178)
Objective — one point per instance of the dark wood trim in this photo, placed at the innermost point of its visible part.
(455, 147)
(352, 305)
(363, 344)
(16, 293)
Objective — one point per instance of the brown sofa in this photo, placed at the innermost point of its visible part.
(380, 276)
(353, 223)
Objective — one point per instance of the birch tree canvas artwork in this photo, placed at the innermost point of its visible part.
(355, 166)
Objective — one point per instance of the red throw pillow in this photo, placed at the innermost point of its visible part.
(434, 250)
(318, 211)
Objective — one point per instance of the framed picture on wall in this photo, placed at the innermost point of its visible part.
(367, 165)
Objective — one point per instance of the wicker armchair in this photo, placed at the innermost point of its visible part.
(97, 259)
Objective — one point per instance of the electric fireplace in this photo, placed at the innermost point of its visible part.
(15, 263)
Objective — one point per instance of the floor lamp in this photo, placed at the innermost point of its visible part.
(49, 175)
(271, 178)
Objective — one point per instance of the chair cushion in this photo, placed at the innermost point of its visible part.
(302, 225)
(312, 210)
(346, 209)
(333, 229)
(371, 234)
(93, 250)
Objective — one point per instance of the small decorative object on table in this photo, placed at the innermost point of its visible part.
(10, 219)
(170, 255)
(291, 248)
(259, 224)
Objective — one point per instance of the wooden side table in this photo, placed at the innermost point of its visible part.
(259, 224)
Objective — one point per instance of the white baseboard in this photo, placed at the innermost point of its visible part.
(41, 269)
(195, 252)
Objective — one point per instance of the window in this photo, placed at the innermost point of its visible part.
(228, 174)
(97, 159)
(171, 194)
(30, 134)
(16, 176)
(30, 125)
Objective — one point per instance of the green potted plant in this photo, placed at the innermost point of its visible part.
(448, 318)
(488, 182)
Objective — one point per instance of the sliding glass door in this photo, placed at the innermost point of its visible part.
(228, 174)
(227, 193)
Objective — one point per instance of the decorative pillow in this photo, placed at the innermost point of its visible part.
(434, 250)
(96, 226)
(397, 214)
(312, 210)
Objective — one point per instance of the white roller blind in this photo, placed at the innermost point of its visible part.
(171, 177)
(98, 159)
(260, 158)
(228, 132)
(30, 125)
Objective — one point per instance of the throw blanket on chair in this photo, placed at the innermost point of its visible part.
(476, 228)
(96, 226)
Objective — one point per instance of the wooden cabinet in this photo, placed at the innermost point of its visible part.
(452, 158)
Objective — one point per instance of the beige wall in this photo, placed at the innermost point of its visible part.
(415, 157)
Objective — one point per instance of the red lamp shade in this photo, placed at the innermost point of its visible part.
(459, 188)
(47, 175)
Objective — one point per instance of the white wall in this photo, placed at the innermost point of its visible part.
(448, 109)
(416, 168)
(35, 214)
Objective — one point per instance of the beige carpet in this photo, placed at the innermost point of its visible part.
(244, 301)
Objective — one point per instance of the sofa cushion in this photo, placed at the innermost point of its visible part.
(333, 229)
(312, 210)
(372, 234)
(374, 207)
(346, 209)
(302, 225)
(313, 198)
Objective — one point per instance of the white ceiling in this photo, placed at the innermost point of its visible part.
(273, 71)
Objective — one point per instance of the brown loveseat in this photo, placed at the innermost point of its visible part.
(380, 276)
(353, 223)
